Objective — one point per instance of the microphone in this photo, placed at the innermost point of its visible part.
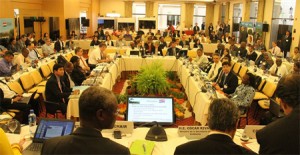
(156, 133)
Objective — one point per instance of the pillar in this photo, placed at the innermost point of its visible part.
(149, 9)
(189, 14)
(128, 9)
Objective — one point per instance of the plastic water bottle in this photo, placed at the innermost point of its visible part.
(32, 122)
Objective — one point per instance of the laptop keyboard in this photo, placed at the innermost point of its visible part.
(35, 147)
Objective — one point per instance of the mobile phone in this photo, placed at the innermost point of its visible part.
(117, 134)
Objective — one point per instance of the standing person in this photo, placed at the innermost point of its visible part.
(210, 29)
(196, 28)
(222, 120)
(203, 26)
(282, 135)
(243, 35)
(286, 43)
(97, 111)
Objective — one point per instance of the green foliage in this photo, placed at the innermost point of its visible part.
(152, 80)
(179, 95)
(121, 98)
(171, 75)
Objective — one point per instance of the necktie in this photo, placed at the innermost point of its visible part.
(276, 70)
(213, 72)
(60, 88)
(220, 77)
(225, 76)
(37, 55)
(83, 62)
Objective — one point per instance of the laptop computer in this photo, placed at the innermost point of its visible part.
(275, 109)
(48, 128)
(27, 99)
(14, 69)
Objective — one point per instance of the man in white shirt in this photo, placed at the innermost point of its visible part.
(201, 58)
(82, 62)
(278, 69)
(22, 59)
(33, 54)
(213, 72)
(46, 48)
(276, 51)
(97, 56)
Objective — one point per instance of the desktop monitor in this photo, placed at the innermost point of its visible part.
(145, 110)
(134, 52)
(183, 53)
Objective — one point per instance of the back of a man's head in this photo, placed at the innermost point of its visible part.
(222, 115)
(95, 102)
(288, 90)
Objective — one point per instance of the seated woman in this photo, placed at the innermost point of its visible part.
(108, 41)
(198, 44)
(77, 74)
(226, 54)
(244, 93)
(6, 148)
(95, 41)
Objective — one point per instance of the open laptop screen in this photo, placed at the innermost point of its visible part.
(49, 128)
(142, 110)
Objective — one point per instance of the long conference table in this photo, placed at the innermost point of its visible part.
(199, 101)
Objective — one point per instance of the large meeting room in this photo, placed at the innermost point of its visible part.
(149, 77)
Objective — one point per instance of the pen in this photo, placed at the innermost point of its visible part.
(144, 148)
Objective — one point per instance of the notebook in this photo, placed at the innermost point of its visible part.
(143, 147)
(48, 128)
(275, 108)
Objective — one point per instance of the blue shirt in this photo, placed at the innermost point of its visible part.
(5, 68)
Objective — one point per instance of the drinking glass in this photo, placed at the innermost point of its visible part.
(12, 125)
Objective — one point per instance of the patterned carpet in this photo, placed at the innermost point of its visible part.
(120, 88)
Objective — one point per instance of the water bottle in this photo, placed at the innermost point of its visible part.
(32, 122)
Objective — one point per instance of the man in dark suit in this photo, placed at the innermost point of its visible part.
(222, 120)
(220, 49)
(196, 28)
(227, 81)
(56, 89)
(251, 55)
(149, 46)
(243, 34)
(233, 49)
(184, 43)
(59, 44)
(162, 43)
(242, 51)
(97, 111)
(173, 51)
(282, 136)
(70, 43)
(286, 43)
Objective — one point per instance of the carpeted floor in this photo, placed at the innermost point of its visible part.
(120, 87)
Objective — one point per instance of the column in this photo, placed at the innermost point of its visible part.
(247, 11)
(149, 9)
(189, 13)
(128, 9)
(260, 11)
(209, 16)
(227, 6)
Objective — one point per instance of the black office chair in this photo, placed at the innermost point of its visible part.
(52, 108)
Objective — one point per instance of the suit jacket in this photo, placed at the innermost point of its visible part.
(187, 43)
(243, 52)
(252, 56)
(286, 43)
(146, 46)
(162, 45)
(4, 100)
(220, 52)
(83, 141)
(212, 144)
(229, 84)
(281, 136)
(77, 76)
(170, 51)
(58, 47)
(53, 92)
(196, 29)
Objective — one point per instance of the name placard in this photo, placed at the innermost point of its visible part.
(250, 130)
(193, 132)
(124, 126)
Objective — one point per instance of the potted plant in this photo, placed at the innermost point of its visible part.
(151, 80)
(122, 103)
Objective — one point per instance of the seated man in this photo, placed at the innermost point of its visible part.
(6, 64)
(222, 120)
(56, 90)
(282, 135)
(296, 56)
(97, 111)
(184, 43)
(173, 51)
(251, 55)
(47, 49)
(98, 57)
(22, 59)
(201, 58)
(242, 50)
(77, 74)
(227, 81)
(213, 72)
(278, 69)
(244, 93)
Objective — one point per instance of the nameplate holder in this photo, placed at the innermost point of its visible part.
(193, 132)
(250, 130)
(124, 126)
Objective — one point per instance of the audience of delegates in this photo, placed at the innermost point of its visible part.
(7, 148)
(275, 51)
(278, 69)
(47, 49)
(213, 72)
(6, 64)
(296, 56)
(244, 93)
(78, 74)
(251, 54)
(97, 111)
(173, 50)
(56, 90)
(282, 135)
(222, 120)
(59, 44)
(201, 58)
(226, 80)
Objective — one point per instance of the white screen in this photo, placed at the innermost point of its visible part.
(143, 109)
